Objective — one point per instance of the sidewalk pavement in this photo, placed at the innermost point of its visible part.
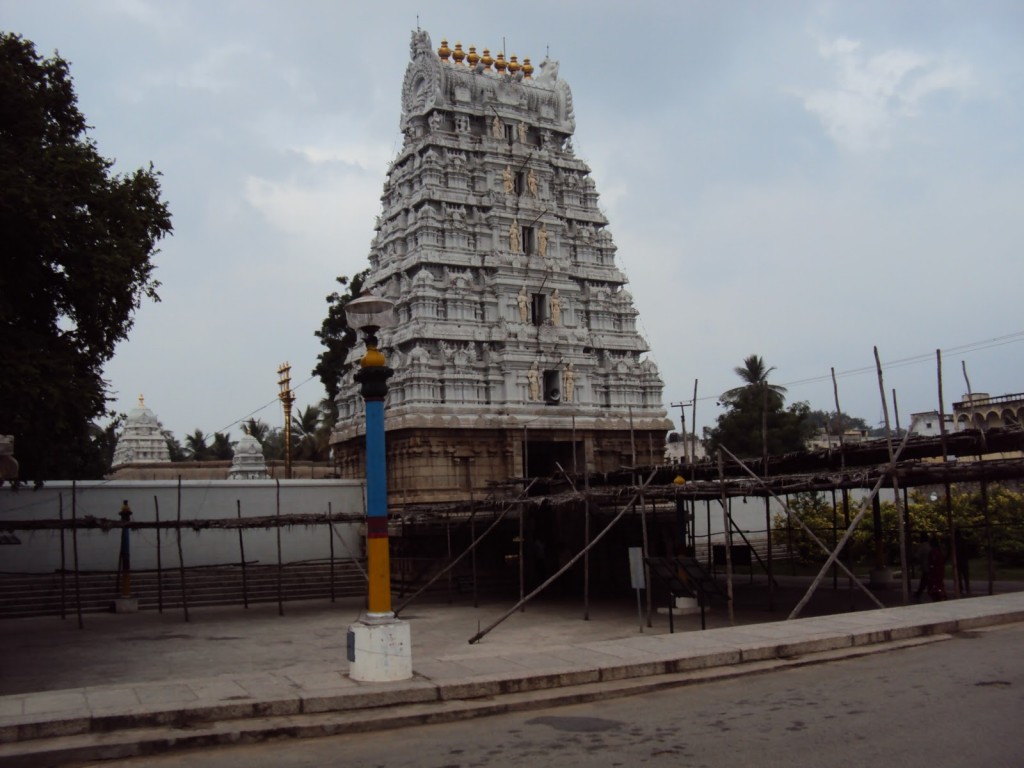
(133, 684)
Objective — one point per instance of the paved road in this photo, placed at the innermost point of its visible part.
(952, 703)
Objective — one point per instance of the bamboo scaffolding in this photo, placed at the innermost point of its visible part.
(629, 505)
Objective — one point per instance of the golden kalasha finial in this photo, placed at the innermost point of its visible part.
(459, 54)
(500, 64)
(513, 65)
(487, 61)
(142, 402)
(473, 57)
(527, 69)
(444, 51)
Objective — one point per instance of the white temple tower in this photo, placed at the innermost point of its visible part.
(517, 349)
(141, 441)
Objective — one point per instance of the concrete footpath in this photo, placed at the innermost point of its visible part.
(136, 684)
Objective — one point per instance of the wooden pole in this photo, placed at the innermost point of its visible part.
(586, 544)
(280, 574)
(842, 469)
(646, 554)
(771, 575)
(693, 440)
(728, 537)
(988, 538)
(835, 539)
(74, 550)
(522, 565)
(950, 523)
(472, 531)
(448, 537)
(901, 523)
(330, 538)
(181, 557)
(241, 554)
(63, 566)
(707, 531)
(159, 559)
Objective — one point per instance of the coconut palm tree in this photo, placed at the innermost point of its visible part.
(305, 445)
(754, 373)
(756, 392)
(196, 447)
(223, 447)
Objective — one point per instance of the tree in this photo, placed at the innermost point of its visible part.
(338, 339)
(173, 445)
(223, 448)
(756, 423)
(308, 438)
(754, 374)
(833, 423)
(196, 447)
(258, 429)
(75, 264)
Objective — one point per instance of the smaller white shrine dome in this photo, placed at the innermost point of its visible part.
(248, 462)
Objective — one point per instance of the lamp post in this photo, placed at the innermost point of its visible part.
(287, 397)
(379, 646)
(125, 603)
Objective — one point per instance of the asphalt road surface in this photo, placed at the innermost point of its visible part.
(958, 702)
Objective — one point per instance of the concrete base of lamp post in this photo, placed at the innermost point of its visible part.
(126, 605)
(380, 651)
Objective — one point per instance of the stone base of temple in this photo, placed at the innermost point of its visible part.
(427, 466)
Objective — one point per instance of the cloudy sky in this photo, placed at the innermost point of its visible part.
(801, 180)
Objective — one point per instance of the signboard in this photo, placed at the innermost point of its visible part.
(636, 568)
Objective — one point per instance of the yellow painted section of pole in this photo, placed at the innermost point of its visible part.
(378, 567)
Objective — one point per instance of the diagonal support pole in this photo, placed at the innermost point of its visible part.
(629, 505)
(468, 549)
(833, 555)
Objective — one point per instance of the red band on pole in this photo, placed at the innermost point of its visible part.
(376, 527)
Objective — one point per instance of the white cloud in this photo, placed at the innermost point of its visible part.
(873, 93)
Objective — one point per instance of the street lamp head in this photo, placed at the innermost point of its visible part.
(370, 313)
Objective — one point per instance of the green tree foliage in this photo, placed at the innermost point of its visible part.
(1006, 523)
(834, 423)
(174, 447)
(196, 448)
(222, 447)
(754, 373)
(338, 338)
(75, 263)
(755, 409)
(258, 429)
(309, 439)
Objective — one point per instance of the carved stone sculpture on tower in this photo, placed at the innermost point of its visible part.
(556, 308)
(568, 382)
(533, 376)
(497, 129)
(524, 304)
(522, 132)
(531, 182)
(507, 181)
(542, 240)
(515, 237)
